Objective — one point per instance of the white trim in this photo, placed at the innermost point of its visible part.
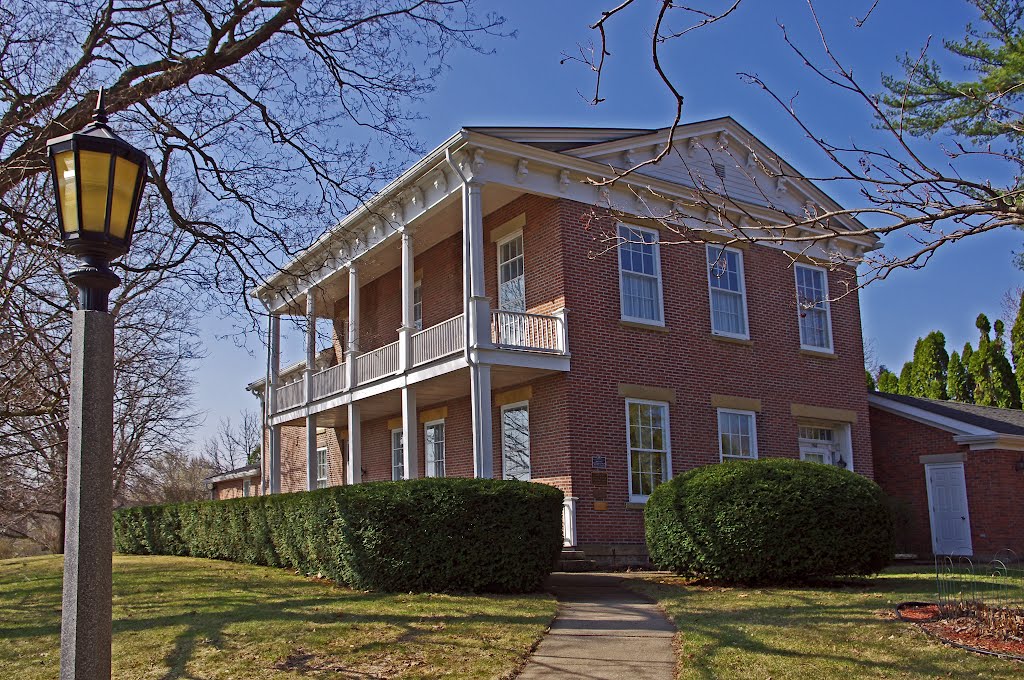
(753, 433)
(660, 321)
(920, 415)
(742, 291)
(429, 466)
(931, 508)
(327, 468)
(828, 307)
(842, 434)
(667, 453)
(529, 442)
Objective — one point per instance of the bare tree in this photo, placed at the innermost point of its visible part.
(175, 477)
(900, 190)
(234, 446)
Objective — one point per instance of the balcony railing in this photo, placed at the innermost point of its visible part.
(290, 395)
(447, 337)
(377, 363)
(526, 331)
(329, 381)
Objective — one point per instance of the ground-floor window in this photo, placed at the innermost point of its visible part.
(515, 441)
(397, 455)
(826, 443)
(246, 488)
(433, 445)
(647, 436)
(737, 434)
(321, 467)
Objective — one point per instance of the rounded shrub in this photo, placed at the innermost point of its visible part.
(436, 535)
(769, 521)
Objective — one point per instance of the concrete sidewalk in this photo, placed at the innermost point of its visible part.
(603, 631)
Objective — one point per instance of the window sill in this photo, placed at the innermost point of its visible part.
(746, 342)
(818, 353)
(636, 505)
(646, 326)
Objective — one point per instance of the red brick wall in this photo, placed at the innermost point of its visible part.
(994, 487)
(232, 488)
(687, 358)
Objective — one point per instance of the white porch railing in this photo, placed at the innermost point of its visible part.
(569, 539)
(377, 363)
(523, 330)
(447, 337)
(290, 395)
(329, 381)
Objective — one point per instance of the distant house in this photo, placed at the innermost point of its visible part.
(479, 331)
(238, 483)
(956, 471)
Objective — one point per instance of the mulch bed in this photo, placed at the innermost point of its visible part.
(967, 633)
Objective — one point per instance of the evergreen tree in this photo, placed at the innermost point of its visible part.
(956, 380)
(980, 368)
(965, 361)
(1007, 390)
(906, 385)
(888, 382)
(869, 379)
(1017, 346)
(931, 361)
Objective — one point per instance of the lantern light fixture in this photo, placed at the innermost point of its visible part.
(98, 179)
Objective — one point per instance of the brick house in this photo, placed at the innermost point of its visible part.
(956, 471)
(238, 483)
(495, 313)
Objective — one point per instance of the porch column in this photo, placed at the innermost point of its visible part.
(273, 456)
(479, 327)
(408, 287)
(310, 370)
(354, 468)
(410, 429)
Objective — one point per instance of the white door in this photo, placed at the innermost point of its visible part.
(947, 507)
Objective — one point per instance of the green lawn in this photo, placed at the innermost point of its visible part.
(812, 632)
(187, 618)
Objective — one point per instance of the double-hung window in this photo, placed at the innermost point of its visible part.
(728, 292)
(397, 454)
(647, 438)
(417, 305)
(813, 308)
(515, 441)
(640, 275)
(737, 434)
(321, 467)
(433, 444)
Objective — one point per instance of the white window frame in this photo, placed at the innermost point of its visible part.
(742, 292)
(800, 309)
(842, 432)
(321, 482)
(429, 466)
(498, 244)
(667, 453)
(753, 433)
(417, 305)
(529, 447)
(397, 469)
(246, 487)
(660, 321)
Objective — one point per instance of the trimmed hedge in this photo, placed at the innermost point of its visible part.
(424, 535)
(769, 521)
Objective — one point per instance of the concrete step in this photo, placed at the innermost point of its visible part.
(577, 565)
(573, 554)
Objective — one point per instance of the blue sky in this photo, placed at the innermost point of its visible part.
(523, 83)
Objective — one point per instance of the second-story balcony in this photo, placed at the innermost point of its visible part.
(513, 334)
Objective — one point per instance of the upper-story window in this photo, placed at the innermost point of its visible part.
(397, 454)
(813, 307)
(640, 275)
(417, 305)
(737, 434)
(647, 438)
(511, 274)
(321, 467)
(728, 292)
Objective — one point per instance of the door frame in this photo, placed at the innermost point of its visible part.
(928, 467)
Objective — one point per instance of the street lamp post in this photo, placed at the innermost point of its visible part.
(98, 178)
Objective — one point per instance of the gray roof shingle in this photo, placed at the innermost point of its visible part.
(999, 420)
